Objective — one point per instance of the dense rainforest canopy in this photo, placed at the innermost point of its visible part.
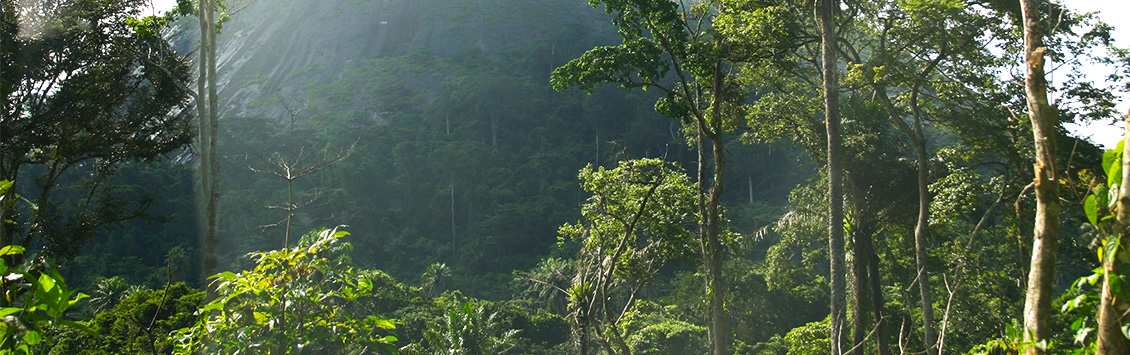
(560, 177)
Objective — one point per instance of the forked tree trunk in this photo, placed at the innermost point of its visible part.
(1041, 274)
(835, 184)
(1110, 339)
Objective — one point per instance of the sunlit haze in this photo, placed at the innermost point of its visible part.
(1105, 133)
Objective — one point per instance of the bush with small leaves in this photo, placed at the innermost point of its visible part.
(295, 301)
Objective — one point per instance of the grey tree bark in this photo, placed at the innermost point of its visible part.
(1041, 274)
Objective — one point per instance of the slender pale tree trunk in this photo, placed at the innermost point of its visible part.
(1110, 339)
(835, 183)
(711, 220)
(929, 334)
(207, 106)
(1041, 274)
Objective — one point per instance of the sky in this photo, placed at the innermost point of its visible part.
(1102, 133)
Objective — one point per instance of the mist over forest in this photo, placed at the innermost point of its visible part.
(560, 177)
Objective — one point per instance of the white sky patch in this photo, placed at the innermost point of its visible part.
(156, 7)
(1103, 132)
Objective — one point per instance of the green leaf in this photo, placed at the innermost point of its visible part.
(1112, 165)
(32, 337)
(5, 185)
(80, 326)
(1115, 285)
(7, 311)
(261, 318)
(1110, 156)
(1102, 195)
(214, 306)
(12, 250)
(1091, 208)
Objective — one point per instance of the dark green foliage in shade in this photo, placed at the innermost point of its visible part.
(546, 283)
(637, 221)
(33, 302)
(465, 328)
(459, 138)
(83, 92)
(142, 323)
(460, 325)
(436, 279)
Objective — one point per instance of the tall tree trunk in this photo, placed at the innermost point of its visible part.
(876, 297)
(719, 332)
(202, 123)
(1110, 339)
(929, 334)
(1041, 274)
(209, 133)
(860, 287)
(835, 184)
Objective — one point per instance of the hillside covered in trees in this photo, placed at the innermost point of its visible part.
(560, 177)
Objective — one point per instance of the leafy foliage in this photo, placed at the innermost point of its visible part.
(83, 92)
(142, 323)
(465, 328)
(293, 302)
(33, 301)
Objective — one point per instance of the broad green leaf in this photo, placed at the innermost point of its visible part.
(261, 318)
(12, 250)
(385, 324)
(1111, 156)
(214, 306)
(32, 337)
(1112, 164)
(46, 283)
(7, 311)
(1091, 209)
(1102, 195)
(5, 185)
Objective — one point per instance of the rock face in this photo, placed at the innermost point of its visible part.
(271, 49)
